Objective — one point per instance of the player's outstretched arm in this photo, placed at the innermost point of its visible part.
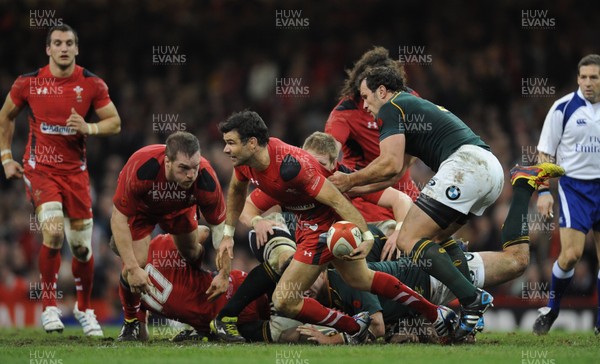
(236, 196)
(136, 276)
(385, 168)
(8, 114)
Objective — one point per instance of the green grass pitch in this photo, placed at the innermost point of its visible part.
(35, 346)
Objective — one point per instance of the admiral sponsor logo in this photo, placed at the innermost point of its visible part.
(56, 129)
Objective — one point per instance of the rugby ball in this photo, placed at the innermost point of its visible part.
(343, 237)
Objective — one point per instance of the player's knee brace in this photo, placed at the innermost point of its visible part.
(277, 244)
(80, 241)
(49, 210)
(50, 216)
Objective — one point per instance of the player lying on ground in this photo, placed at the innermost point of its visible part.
(485, 268)
(180, 292)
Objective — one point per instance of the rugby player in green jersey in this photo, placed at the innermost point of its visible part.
(485, 269)
(468, 179)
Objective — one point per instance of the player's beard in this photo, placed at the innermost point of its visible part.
(241, 160)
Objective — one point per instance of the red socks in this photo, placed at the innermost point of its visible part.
(130, 301)
(315, 313)
(49, 264)
(83, 272)
(390, 287)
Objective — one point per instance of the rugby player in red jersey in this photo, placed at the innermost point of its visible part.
(54, 165)
(179, 292)
(357, 133)
(165, 185)
(295, 179)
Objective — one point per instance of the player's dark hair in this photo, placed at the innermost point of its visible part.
(376, 57)
(61, 28)
(590, 59)
(181, 142)
(386, 76)
(322, 143)
(248, 124)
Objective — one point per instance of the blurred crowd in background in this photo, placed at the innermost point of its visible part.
(231, 55)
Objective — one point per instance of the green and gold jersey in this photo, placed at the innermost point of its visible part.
(432, 133)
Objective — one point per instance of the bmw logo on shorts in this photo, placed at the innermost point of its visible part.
(453, 192)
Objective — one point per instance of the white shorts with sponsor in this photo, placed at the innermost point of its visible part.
(441, 295)
(469, 181)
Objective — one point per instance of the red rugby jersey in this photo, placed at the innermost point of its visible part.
(179, 290)
(143, 188)
(52, 146)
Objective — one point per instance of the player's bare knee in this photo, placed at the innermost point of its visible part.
(519, 255)
(356, 275)
(287, 303)
(406, 244)
(568, 258)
